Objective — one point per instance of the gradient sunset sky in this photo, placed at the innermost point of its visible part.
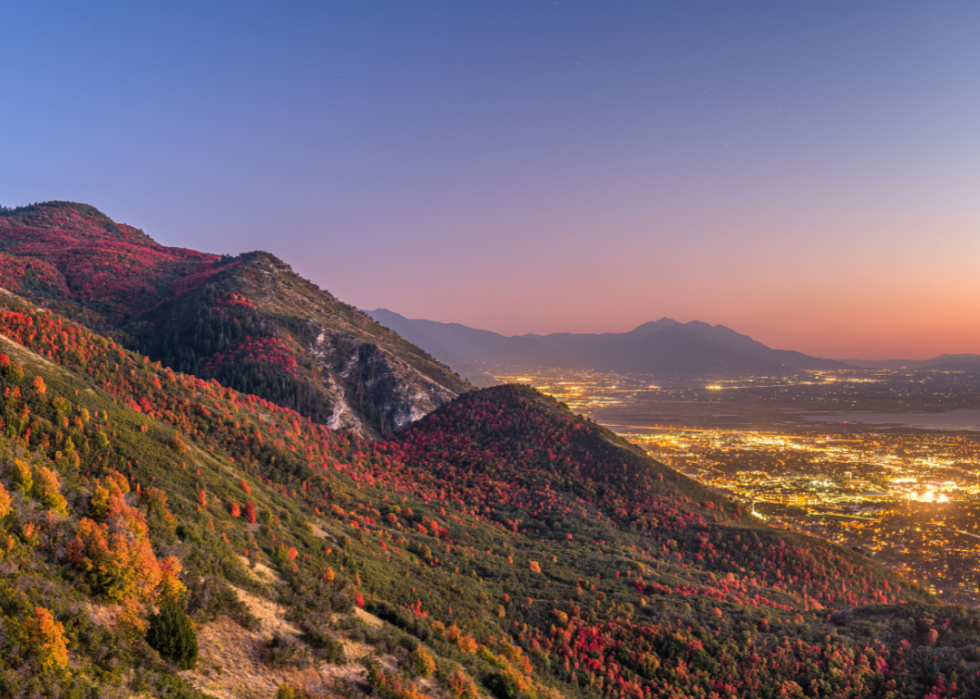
(807, 173)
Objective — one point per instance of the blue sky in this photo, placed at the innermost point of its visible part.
(805, 172)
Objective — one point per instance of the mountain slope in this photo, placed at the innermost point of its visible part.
(501, 545)
(457, 343)
(247, 320)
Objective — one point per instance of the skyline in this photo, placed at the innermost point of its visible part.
(804, 175)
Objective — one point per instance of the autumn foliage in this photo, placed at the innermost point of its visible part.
(45, 639)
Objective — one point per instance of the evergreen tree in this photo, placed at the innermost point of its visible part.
(171, 634)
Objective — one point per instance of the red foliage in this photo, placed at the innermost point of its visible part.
(271, 350)
(74, 252)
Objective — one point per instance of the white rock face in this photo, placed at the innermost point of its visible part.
(364, 378)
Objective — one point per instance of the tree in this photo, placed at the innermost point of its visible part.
(47, 490)
(23, 480)
(99, 502)
(171, 634)
(4, 502)
(45, 638)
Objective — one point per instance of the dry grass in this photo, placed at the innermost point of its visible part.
(270, 614)
(232, 665)
(260, 571)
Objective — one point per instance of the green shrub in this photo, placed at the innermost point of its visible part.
(171, 634)
(285, 652)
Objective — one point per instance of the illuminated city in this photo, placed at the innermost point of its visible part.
(904, 496)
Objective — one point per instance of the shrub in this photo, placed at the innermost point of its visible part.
(285, 652)
(423, 662)
(325, 647)
(171, 634)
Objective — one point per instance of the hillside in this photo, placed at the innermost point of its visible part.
(249, 321)
(499, 546)
(663, 348)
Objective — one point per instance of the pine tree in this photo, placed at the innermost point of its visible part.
(172, 635)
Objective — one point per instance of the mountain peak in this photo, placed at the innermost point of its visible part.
(652, 326)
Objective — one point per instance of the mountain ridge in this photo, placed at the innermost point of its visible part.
(248, 320)
(942, 362)
(658, 348)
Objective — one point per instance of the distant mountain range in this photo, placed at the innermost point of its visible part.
(944, 362)
(664, 347)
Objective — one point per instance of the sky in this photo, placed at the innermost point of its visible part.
(807, 173)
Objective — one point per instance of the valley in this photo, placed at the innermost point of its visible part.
(903, 495)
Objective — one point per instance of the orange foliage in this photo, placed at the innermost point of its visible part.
(45, 638)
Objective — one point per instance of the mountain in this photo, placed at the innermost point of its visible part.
(498, 542)
(248, 321)
(457, 344)
(657, 348)
(163, 535)
(944, 362)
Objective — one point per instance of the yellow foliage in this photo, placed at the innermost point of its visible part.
(23, 480)
(4, 502)
(44, 637)
(424, 663)
(47, 490)
(99, 503)
(171, 588)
